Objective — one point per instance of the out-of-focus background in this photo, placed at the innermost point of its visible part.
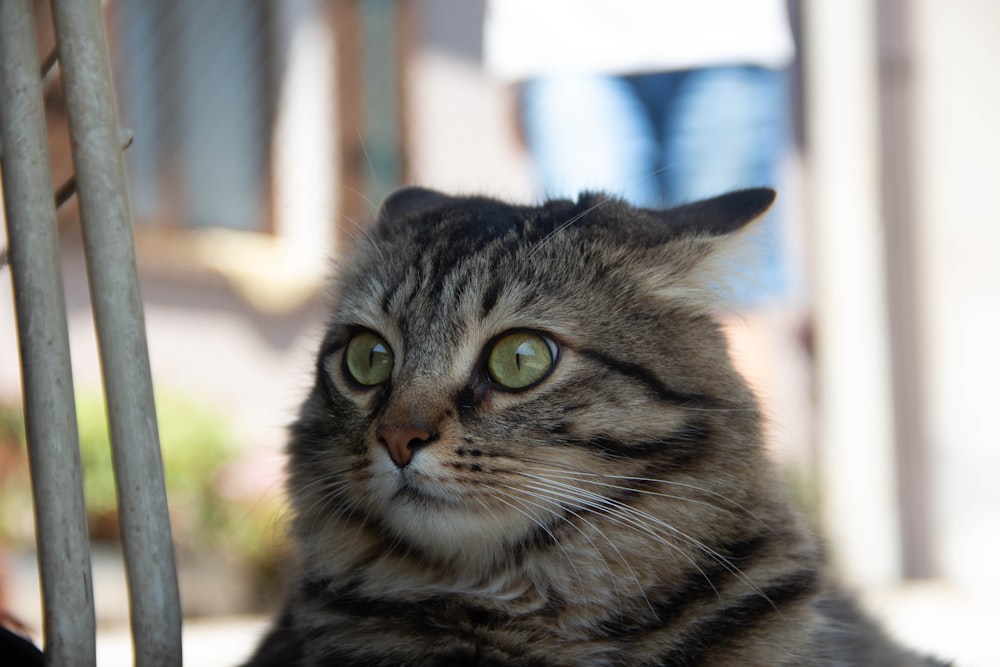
(265, 132)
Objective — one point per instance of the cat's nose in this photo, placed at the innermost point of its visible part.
(402, 441)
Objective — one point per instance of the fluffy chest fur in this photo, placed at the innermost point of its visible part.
(526, 445)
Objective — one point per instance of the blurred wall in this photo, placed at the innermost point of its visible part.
(463, 124)
(956, 143)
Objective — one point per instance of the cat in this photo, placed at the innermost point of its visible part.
(526, 445)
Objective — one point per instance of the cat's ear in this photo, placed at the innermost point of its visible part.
(409, 200)
(721, 215)
(703, 246)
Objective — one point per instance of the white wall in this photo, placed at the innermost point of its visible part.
(958, 178)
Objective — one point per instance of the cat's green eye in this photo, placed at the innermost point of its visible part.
(368, 359)
(520, 359)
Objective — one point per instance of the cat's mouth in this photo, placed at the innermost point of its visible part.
(409, 490)
(415, 487)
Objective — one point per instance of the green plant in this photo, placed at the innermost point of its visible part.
(202, 467)
(198, 448)
(195, 443)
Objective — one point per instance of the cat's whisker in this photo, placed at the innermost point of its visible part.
(622, 558)
(542, 525)
(621, 519)
(328, 491)
(691, 408)
(359, 232)
(326, 498)
(541, 244)
(723, 560)
(694, 487)
(602, 500)
(713, 553)
(561, 468)
(645, 521)
(534, 519)
(630, 489)
(555, 540)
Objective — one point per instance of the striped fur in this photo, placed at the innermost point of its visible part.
(619, 512)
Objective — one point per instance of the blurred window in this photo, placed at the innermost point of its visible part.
(195, 84)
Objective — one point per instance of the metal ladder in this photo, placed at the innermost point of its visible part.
(50, 416)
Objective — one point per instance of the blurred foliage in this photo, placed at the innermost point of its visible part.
(199, 451)
(195, 444)
(15, 499)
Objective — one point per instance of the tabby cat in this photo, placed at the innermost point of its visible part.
(526, 445)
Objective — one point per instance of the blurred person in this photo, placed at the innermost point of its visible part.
(663, 102)
(657, 101)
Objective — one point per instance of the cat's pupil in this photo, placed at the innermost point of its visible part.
(522, 351)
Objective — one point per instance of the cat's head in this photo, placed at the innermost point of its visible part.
(492, 373)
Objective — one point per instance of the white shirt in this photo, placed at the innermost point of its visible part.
(525, 38)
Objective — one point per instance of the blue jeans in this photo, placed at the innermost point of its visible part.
(665, 138)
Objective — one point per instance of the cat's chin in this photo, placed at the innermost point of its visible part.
(451, 528)
(449, 534)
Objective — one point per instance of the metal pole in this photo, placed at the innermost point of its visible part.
(114, 289)
(53, 443)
